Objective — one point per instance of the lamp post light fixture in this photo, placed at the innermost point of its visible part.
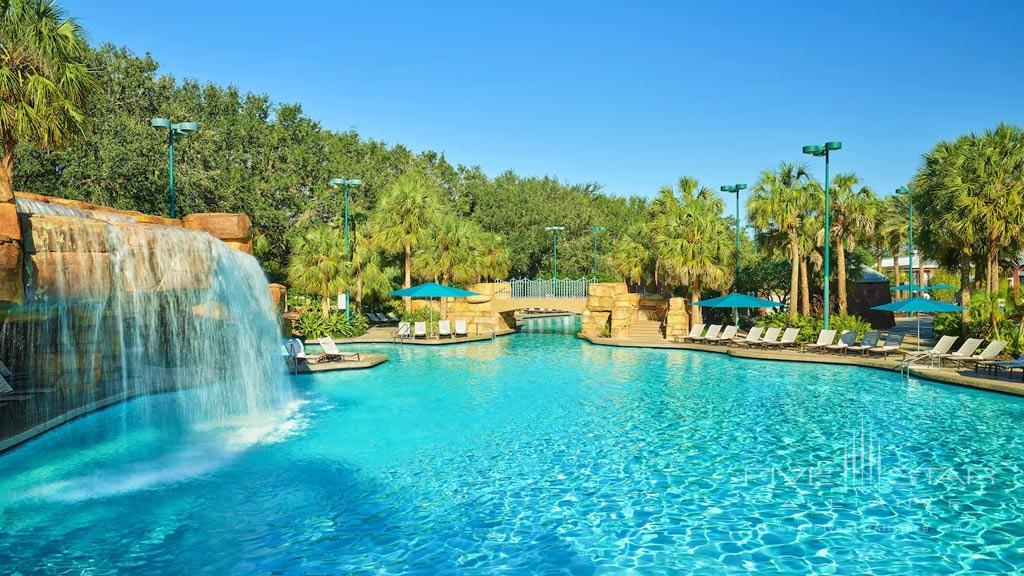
(904, 191)
(346, 184)
(173, 129)
(554, 254)
(596, 230)
(735, 188)
(815, 150)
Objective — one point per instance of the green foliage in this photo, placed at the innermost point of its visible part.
(422, 315)
(45, 81)
(811, 326)
(314, 325)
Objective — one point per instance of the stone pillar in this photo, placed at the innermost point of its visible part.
(624, 314)
(677, 319)
(235, 230)
(12, 289)
(600, 303)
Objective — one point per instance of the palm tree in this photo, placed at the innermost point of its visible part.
(369, 272)
(891, 230)
(691, 240)
(44, 81)
(629, 257)
(778, 203)
(853, 219)
(405, 215)
(317, 265)
(971, 191)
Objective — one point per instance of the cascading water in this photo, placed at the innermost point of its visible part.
(116, 309)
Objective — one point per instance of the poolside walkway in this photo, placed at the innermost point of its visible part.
(960, 377)
(386, 335)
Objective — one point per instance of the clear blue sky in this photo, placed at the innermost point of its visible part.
(627, 94)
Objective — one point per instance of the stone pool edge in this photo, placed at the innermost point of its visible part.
(939, 375)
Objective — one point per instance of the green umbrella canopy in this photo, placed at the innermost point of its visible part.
(918, 305)
(433, 290)
(735, 300)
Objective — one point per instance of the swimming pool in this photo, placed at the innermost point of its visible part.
(537, 453)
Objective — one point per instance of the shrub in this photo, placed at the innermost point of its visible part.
(313, 325)
(1006, 330)
(810, 326)
(423, 315)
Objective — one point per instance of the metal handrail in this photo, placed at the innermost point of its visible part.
(527, 288)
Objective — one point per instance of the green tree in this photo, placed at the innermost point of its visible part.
(369, 272)
(778, 204)
(44, 81)
(630, 257)
(853, 220)
(405, 215)
(318, 264)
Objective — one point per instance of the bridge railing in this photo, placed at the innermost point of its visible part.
(526, 288)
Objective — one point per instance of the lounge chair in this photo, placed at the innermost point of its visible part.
(296, 352)
(378, 318)
(987, 356)
(726, 335)
(753, 335)
(788, 339)
(869, 341)
(825, 338)
(966, 350)
(460, 328)
(1009, 366)
(404, 331)
(846, 339)
(893, 343)
(771, 336)
(331, 351)
(711, 334)
(391, 317)
(444, 328)
(419, 329)
(695, 331)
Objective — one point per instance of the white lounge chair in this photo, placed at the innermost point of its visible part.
(846, 339)
(753, 335)
(987, 356)
(726, 335)
(940, 349)
(695, 331)
(331, 351)
(825, 338)
(966, 350)
(1010, 366)
(419, 329)
(788, 339)
(771, 336)
(711, 334)
(460, 328)
(403, 331)
(893, 343)
(444, 328)
(869, 341)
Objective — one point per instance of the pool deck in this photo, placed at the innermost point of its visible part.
(946, 375)
(365, 361)
(386, 335)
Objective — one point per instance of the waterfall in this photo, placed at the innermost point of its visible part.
(116, 309)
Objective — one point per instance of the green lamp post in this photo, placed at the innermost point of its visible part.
(735, 188)
(346, 184)
(173, 129)
(904, 191)
(815, 150)
(554, 256)
(596, 230)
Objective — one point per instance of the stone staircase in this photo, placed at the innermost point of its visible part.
(646, 330)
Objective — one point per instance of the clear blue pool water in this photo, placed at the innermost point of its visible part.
(537, 453)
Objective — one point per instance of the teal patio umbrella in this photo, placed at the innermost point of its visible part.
(432, 290)
(736, 300)
(922, 288)
(918, 305)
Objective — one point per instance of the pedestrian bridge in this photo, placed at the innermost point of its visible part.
(507, 296)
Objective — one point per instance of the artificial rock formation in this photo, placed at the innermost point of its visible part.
(233, 229)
